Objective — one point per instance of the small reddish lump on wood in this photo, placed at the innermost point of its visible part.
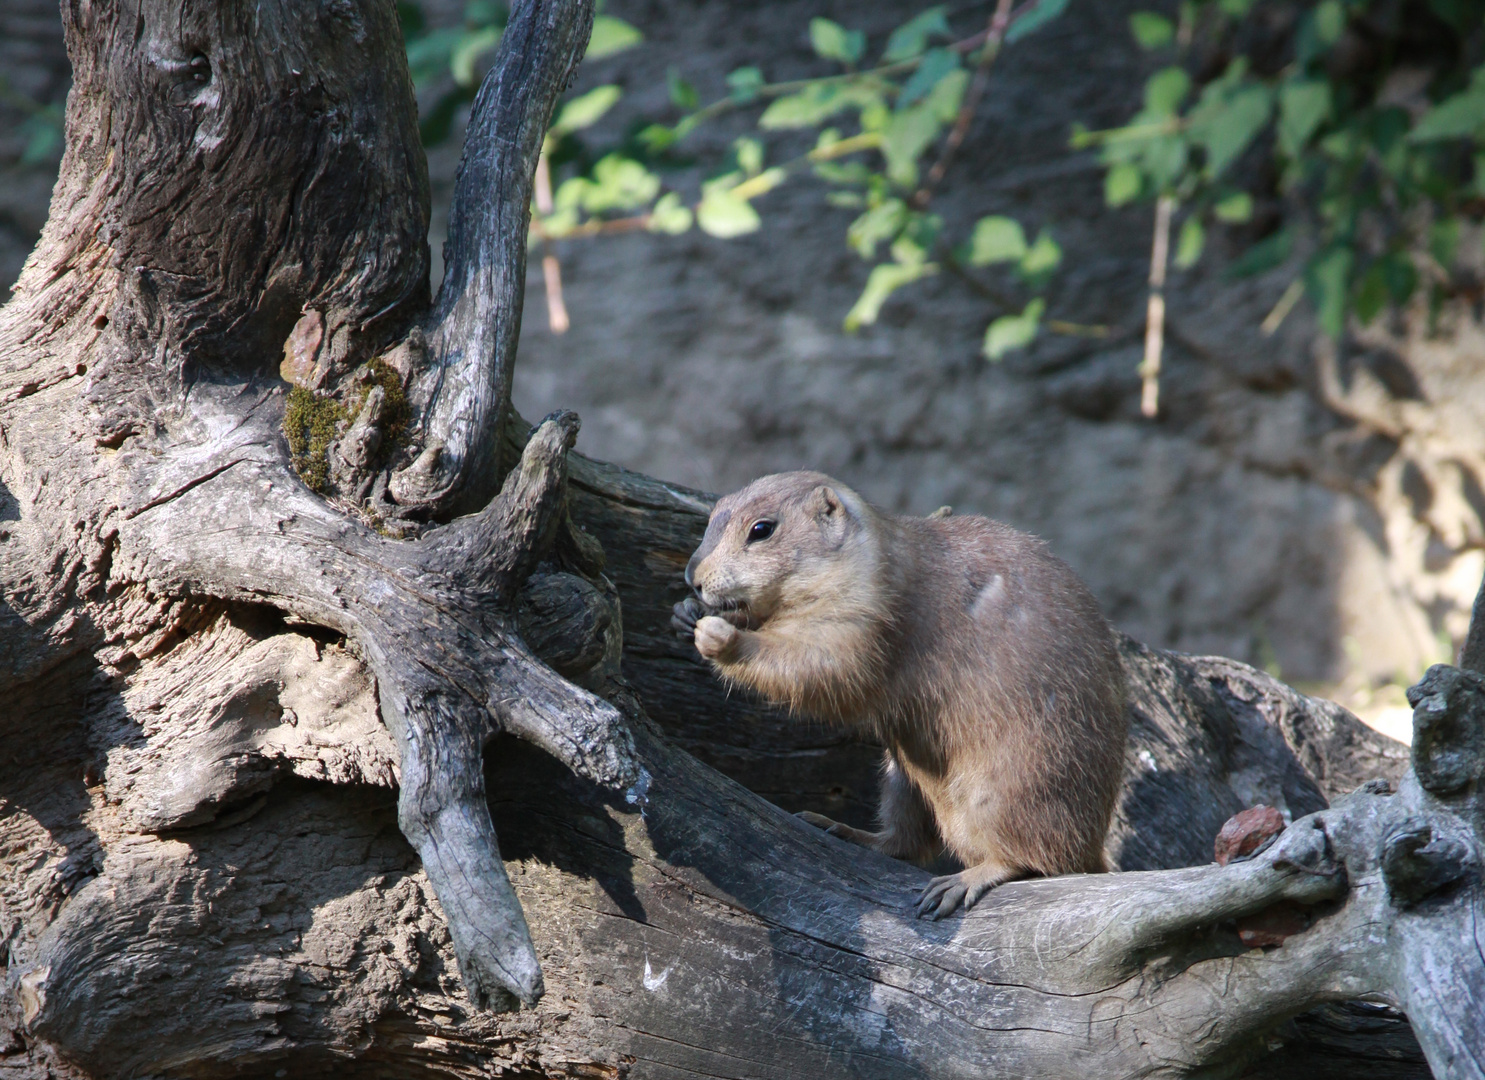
(1245, 833)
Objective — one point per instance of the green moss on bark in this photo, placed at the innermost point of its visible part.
(310, 423)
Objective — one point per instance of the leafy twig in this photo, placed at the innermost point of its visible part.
(691, 121)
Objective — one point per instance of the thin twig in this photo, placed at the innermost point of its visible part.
(551, 269)
(1000, 22)
(1276, 317)
(1155, 312)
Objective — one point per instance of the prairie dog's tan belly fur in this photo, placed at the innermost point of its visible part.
(972, 652)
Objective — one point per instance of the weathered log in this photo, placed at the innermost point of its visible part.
(202, 869)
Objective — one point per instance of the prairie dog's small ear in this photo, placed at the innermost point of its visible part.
(825, 503)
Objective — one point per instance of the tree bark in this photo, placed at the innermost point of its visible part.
(267, 701)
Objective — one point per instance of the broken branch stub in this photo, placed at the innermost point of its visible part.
(462, 395)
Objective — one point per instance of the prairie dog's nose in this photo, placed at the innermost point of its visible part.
(691, 571)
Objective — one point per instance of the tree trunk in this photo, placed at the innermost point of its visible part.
(267, 699)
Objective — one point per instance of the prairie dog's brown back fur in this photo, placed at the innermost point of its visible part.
(970, 650)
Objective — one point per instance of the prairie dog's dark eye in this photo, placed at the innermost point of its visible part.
(761, 530)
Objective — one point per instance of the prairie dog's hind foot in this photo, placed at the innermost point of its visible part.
(945, 895)
(838, 828)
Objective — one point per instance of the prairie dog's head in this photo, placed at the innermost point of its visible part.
(785, 543)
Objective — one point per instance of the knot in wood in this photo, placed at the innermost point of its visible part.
(1420, 861)
(1448, 729)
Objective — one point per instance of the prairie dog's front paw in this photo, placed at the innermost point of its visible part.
(683, 616)
(715, 637)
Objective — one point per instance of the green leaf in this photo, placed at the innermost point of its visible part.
(909, 134)
(749, 155)
(875, 117)
(935, 65)
(1457, 117)
(1042, 258)
(585, 110)
(1165, 90)
(882, 222)
(921, 230)
(610, 36)
(1443, 241)
(559, 224)
(831, 41)
(743, 84)
(569, 195)
(912, 37)
(478, 13)
(1303, 106)
(847, 172)
(1330, 21)
(1014, 331)
(1164, 161)
(467, 52)
(1189, 243)
(1226, 123)
(815, 104)
(996, 239)
(682, 94)
(943, 100)
(670, 215)
(1235, 208)
(1263, 256)
(907, 251)
(428, 56)
(881, 283)
(1150, 30)
(657, 138)
(1038, 17)
(1401, 276)
(1326, 281)
(724, 215)
(1236, 8)
(1122, 184)
(1371, 294)
(619, 183)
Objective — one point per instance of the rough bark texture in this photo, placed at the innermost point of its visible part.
(206, 870)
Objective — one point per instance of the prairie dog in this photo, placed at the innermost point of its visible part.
(972, 652)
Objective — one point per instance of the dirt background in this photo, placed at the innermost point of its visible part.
(1313, 508)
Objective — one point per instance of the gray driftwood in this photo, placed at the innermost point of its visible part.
(258, 738)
